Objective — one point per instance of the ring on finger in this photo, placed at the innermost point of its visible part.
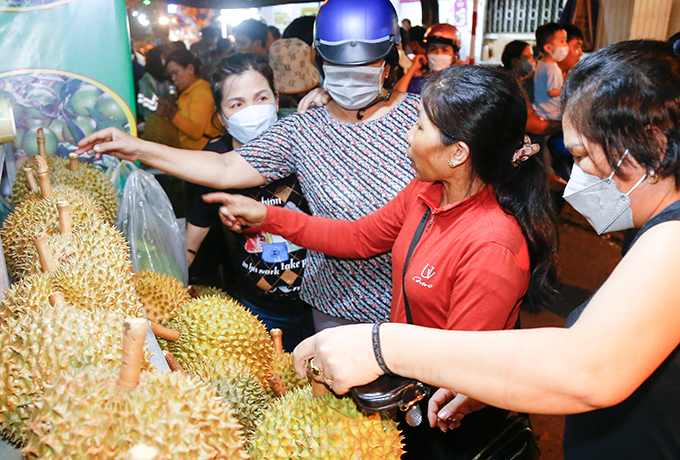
(315, 370)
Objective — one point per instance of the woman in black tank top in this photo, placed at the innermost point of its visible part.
(618, 364)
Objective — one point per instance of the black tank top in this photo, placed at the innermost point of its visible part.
(644, 426)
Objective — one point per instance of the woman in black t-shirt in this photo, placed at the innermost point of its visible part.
(268, 268)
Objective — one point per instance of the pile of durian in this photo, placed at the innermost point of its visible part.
(78, 383)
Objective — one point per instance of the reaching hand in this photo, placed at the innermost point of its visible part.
(418, 66)
(238, 211)
(315, 98)
(112, 141)
(343, 357)
(446, 409)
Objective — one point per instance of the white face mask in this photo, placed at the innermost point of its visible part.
(245, 125)
(560, 53)
(599, 200)
(353, 87)
(438, 62)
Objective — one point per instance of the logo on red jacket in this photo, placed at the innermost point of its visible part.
(425, 275)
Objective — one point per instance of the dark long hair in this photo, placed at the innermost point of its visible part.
(237, 64)
(184, 58)
(485, 109)
(626, 96)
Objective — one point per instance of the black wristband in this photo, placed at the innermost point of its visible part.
(191, 251)
(376, 349)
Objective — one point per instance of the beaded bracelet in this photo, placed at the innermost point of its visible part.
(376, 349)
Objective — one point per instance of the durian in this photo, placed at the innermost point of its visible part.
(212, 327)
(162, 295)
(197, 290)
(94, 415)
(300, 425)
(87, 283)
(35, 215)
(85, 178)
(237, 386)
(96, 242)
(37, 345)
(160, 130)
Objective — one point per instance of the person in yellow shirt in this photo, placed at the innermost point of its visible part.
(194, 114)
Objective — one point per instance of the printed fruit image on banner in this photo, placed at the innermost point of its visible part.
(66, 105)
(12, 6)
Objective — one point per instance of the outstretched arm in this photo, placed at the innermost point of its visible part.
(630, 327)
(365, 237)
(228, 170)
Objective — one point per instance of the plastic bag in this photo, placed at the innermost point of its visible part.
(118, 173)
(146, 218)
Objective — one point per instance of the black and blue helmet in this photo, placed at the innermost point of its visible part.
(356, 32)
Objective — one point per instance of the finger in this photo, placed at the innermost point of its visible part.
(304, 351)
(218, 197)
(104, 135)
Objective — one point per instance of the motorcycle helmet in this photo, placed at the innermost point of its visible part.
(356, 32)
(442, 33)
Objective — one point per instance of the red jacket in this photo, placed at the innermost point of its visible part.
(469, 270)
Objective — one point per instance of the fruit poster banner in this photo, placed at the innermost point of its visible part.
(65, 68)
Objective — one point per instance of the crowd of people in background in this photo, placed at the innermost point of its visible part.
(401, 162)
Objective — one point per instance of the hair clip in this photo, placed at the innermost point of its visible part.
(525, 152)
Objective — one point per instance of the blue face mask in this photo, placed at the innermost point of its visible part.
(599, 200)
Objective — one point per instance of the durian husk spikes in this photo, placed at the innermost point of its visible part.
(161, 294)
(74, 164)
(31, 181)
(283, 367)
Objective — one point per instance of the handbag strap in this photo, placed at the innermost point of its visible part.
(414, 242)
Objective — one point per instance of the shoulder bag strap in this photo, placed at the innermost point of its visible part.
(414, 242)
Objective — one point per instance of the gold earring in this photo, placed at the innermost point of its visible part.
(653, 178)
(452, 164)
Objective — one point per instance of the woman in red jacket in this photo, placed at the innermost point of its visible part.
(475, 229)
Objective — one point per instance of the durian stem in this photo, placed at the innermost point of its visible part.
(192, 291)
(319, 389)
(44, 253)
(164, 332)
(74, 164)
(41, 143)
(276, 384)
(64, 210)
(172, 363)
(43, 176)
(30, 178)
(57, 299)
(277, 337)
(134, 331)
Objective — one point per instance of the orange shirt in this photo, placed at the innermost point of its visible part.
(469, 270)
(194, 119)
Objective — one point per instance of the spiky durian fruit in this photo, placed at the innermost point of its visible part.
(101, 415)
(237, 385)
(162, 295)
(87, 286)
(96, 242)
(88, 180)
(197, 290)
(212, 327)
(299, 425)
(37, 345)
(160, 130)
(34, 215)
